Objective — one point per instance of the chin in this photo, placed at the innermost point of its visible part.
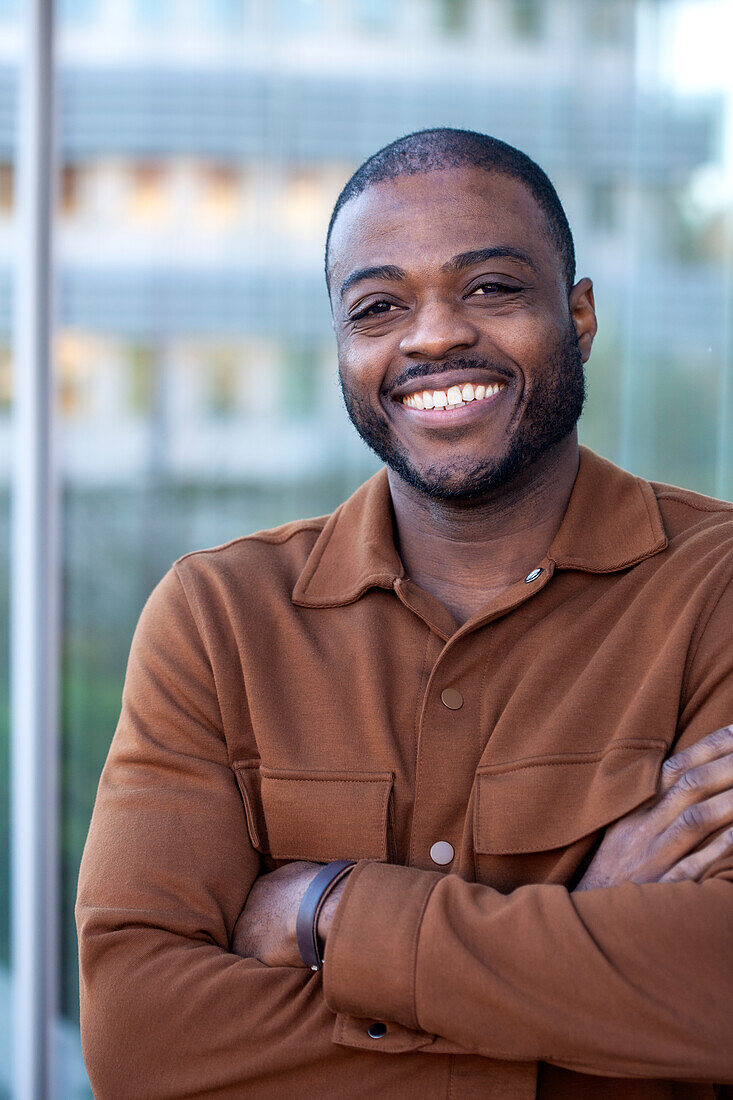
(462, 481)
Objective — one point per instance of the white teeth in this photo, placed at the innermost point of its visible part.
(453, 398)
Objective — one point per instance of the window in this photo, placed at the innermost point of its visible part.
(148, 200)
(7, 184)
(69, 190)
(222, 384)
(610, 22)
(306, 203)
(6, 379)
(141, 379)
(454, 15)
(527, 18)
(220, 204)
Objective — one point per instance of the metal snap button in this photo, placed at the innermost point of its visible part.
(377, 1030)
(451, 698)
(442, 852)
(533, 575)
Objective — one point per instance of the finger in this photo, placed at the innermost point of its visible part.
(696, 785)
(716, 744)
(693, 867)
(695, 823)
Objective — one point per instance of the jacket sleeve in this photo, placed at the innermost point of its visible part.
(629, 981)
(166, 1010)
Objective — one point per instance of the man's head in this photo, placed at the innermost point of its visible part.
(432, 150)
(450, 263)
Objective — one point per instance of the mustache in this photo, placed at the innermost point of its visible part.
(462, 362)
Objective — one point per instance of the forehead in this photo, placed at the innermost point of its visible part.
(425, 219)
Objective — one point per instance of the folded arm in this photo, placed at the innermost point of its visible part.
(625, 981)
(632, 979)
(166, 1009)
(629, 975)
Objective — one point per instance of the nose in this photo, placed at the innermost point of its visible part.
(439, 327)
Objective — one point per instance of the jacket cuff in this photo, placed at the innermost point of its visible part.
(371, 951)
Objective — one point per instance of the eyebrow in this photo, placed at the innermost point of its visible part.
(384, 271)
(481, 255)
(458, 263)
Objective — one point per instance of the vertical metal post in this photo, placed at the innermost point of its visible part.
(34, 600)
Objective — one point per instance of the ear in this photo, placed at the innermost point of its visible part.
(583, 313)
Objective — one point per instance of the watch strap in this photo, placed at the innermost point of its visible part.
(307, 920)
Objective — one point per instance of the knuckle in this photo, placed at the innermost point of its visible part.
(680, 872)
(673, 767)
(721, 738)
(690, 782)
(693, 818)
(676, 761)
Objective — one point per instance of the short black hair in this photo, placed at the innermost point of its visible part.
(431, 150)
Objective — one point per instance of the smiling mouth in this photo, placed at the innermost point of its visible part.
(455, 397)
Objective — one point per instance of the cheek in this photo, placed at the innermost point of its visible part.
(528, 341)
(359, 371)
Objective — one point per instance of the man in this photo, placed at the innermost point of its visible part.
(497, 679)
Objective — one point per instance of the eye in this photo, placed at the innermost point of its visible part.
(374, 310)
(484, 290)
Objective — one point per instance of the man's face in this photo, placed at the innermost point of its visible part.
(446, 288)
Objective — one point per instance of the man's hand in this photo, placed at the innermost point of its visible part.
(265, 928)
(656, 842)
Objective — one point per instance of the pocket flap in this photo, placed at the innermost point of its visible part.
(549, 802)
(324, 816)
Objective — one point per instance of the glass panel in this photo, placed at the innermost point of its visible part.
(196, 369)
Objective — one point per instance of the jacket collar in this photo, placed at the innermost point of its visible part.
(612, 522)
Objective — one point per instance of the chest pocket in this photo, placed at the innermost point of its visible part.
(319, 816)
(535, 820)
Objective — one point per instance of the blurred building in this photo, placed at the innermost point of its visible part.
(203, 143)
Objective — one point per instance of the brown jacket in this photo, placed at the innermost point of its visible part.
(285, 700)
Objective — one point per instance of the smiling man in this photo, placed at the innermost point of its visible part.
(431, 797)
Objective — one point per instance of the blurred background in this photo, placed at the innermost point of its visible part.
(202, 144)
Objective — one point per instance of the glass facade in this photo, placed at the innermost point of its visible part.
(201, 147)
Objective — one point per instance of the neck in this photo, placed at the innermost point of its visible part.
(467, 553)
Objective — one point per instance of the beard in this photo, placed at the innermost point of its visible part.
(551, 412)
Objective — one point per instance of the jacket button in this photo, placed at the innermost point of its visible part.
(451, 698)
(533, 575)
(377, 1030)
(442, 852)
